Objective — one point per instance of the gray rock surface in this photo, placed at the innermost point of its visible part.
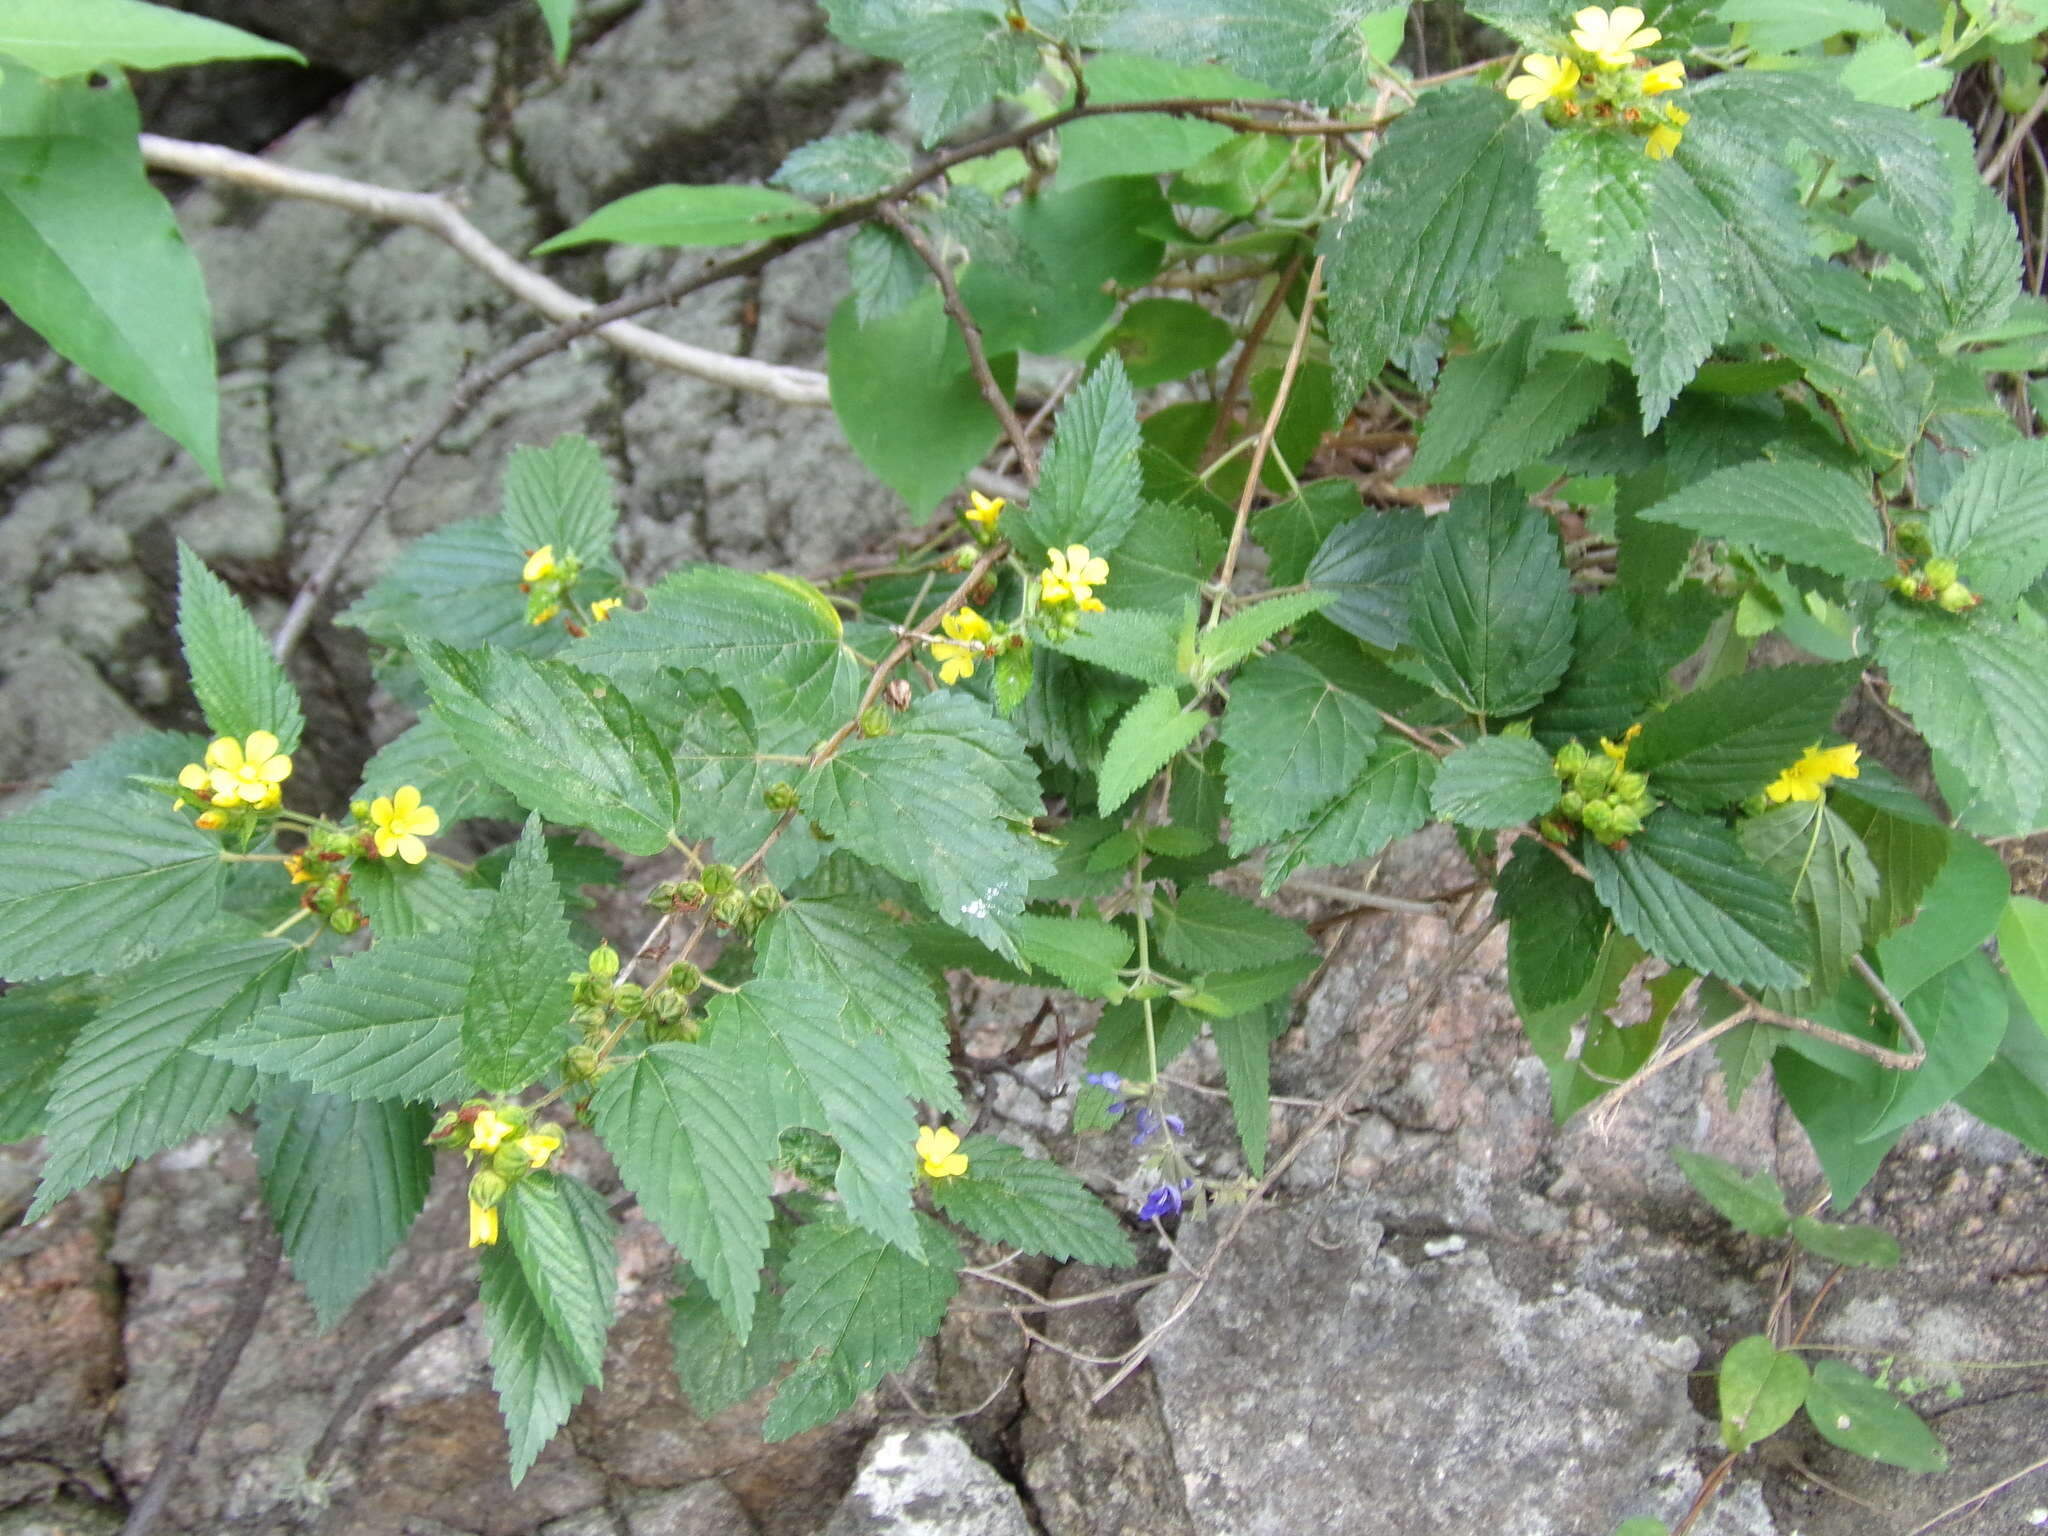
(927, 1482)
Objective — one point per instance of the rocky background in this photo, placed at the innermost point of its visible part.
(1457, 1318)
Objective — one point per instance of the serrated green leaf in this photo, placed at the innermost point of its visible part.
(1779, 26)
(1008, 1196)
(2023, 949)
(1726, 742)
(458, 584)
(1142, 645)
(1684, 889)
(1596, 191)
(1245, 631)
(886, 273)
(1209, 929)
(133, 1082)
(515, 1010)
(1292, 531)
(1497, 781)
(1797, 511)
(38, 1022)
(523, 721)
(562, 1234)
(535, 1375)
(1752, 1202)
(1493, 618)
(425, 756)
(98, 885)
(1977, 691)
(1307, 48)
(1994, 520)
(1612, 681)
(715, 1367)
(1854, 1412)
(1904, 841)
(344, 1180)
(1761, 1387)
(112, 770)
(1390, 800)
(238, 684)
(88, 36)
(1846, 1243)
(399, 900)
(1293, 740)
(1165, 558)
(955, 60)
(561, 497)
(1985, 287)
(1961, 1017)
(90, 256)
(1245, 1045)
(690, 216)
(381, 1024)
(1434, 217)
(1556, 930)
(687, 1126)
(1227, 994)
(853, 952)
(1813, 853)
(845, 165)
(1145, 144)
(1150, 733)
(1088, 486)
(1084, 952)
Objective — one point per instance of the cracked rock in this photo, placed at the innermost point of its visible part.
(927, 1482)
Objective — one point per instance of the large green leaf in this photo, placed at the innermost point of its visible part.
(1294, 738)
(2012, 1093)
(2023, 947)
(1908, 849)
(525, 722)
(1556, 930)
(1307, 48)
(843, 165)
(562, 1234)
(1088, 486)
(1761, 1387)
(1086, 953)
(83, 37)
(459, 584)
(344, 1179)
(938, 802)
(1779, 26)
(516, 1009)
(1008, 1196)
(1813, 853)
(1797, 511)
(1976, 689)
(381, 1024)
(536, 1376)
(1146, 144)
(687, 1127)
(1435, 215)
(90, 256)
(1726, 742)
(1493, 618)
(956, 58)
(1994, 520)
(1498, 410)
(38, 1022)
(399, 900)
(95, 885)
(715, 1366)
(561, 497)
(132, 1082)
(1293, 530)
(1497, 781)
(1684, 889)
(690, 216)
(1208, 929)
(1752, 1202)
(239, 686)
(1961, 1015)
(425, 756)
(1390, 800)
(859, 1307)
(1854, 1412)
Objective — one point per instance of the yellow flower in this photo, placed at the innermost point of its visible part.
(1668, 76)
(1613, 37)
(243, 772)
(1661, 142)
(545, 614)
(983, 513)
(940, 1150)
(1072, 575)
(487, 1130)
(483, 1225)
(209, 821)
(1542, 79)
(970, 629)
(401, 821)
(602, 608)
(300, 868)
(1619, 752)
(1805, 779)
(540, 565)
(542, 1143)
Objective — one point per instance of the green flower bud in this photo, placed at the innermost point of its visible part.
(1755, 805)
(764, 898)
(604, 962)
(1911, 536)
(730, 908)
(719, 879)
(488, 1188)
(587, 991)
(1593, 779)
(1599, 819)
(450, 1133)
(344, 919)
(1957, 598)
(684, 978)
(686, 1030)
(668, 1007)
(1571, 757)
(1905, 584)
(359, 809)
(1631, 788)
(779, 796)
(1571, 803)
(1625, 821)
(629, 999)
(874, 721)
(593, 1023)
(510, 1162)
(1941, 573)
(581, 1064)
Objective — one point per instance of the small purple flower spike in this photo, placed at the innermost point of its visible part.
(1164, 1201)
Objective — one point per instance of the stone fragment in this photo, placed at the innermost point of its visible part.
(927, 1482)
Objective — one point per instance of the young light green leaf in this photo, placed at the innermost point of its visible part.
(536, 1377)
(1596, 192)
(1854, 1412)
(1088, 487)
(1994, 520)
(113, 769)
(1752, 1202)
(690, 216)
(562, 1234)
(844, 165)
(459, 584)
(381, 1024)
(560, 15)
(96, 885)
(238, 684)
(90, 256)
(687, 1127)
(1493, 616)
(1685, 890)
(1245, 631)
(1761, 1387)
(1497, 781)
(561, 497)
(525, 721)
(715, 1366)
(1138, 644)
(84, 37)
(38, 1022)
(1146, 144)
(1008, 1196)
(1726, 742)
(132, 1082)
(859, 1307)
(1780, 26)
(515, 1011)
(886, 273)
(1866, 1247)
(1389, 801)
(1294, 739)
(1209, 929)
(956, 59)
(1150, 733)
(1084, 952)
(853, 952)
(344, 1180)
(1797, 511)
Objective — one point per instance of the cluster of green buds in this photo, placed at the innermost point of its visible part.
(546, 579)
(667, 1015)
(731, 905)
(321, 867)
(513, 1145)
(1935, 582)
(1601, 793)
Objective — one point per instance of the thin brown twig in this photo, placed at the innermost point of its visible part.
(2021, 129)
(380, 1366)
(1966, 1505)
(1240, 370)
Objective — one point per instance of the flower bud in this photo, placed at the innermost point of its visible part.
(719, 879)
(661, 1031)
(1571, 803)
(898, 694)
(209, 821)
(581, 1063)
(684, 978)
(1940, 573)
(511, 1161)
(669, 1007)
(764, 898)
(1910, 534)
(1907, 585)
(1631, 788)
(604, 962)
(675, 895)
(1593, 780)
(730, 908)
(874, 721)
(359, 809)
(629, 999)
(779, 796)
(1957, 598)
(1571, 757)
(450, 1133)
(487, 1188)
(344, 919)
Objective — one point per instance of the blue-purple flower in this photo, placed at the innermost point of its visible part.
(1113, 1084)
(1149, 1121)
(1166, 1200)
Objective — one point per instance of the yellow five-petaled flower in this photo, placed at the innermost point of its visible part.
(1542, 79)
(1668, 76)
(939, 1150)
(487, 1130)
(983, 512)
(540, 1144)
(540, 565)
(246, 772)
(1072, 575)
(1612, 37)
(401, 821)
(968, 631)
(1805, 779)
